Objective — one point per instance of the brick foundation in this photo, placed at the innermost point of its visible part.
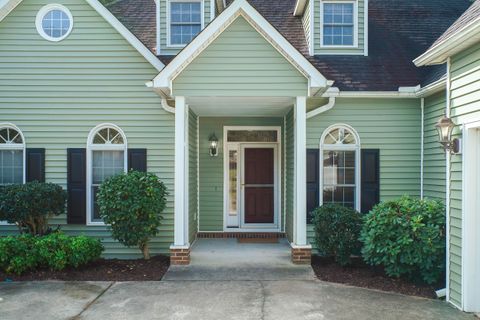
(301, 255)
(179, 257)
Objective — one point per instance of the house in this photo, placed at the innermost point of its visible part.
(251, 112)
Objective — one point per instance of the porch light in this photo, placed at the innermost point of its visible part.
(445, 128)
(213, 145)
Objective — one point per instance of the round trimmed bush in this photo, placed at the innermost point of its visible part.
(30, 205)
(406, 237)
(131, 204)
(337, 230)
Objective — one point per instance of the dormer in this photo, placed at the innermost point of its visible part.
(335, 27)
(179, 21)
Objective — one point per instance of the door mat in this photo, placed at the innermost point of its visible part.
(257, 240)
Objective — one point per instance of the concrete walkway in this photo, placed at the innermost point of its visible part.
(210, 300)
(227, 259)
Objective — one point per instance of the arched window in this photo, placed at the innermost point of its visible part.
(12, 155)
(106, 157)
(340, 166)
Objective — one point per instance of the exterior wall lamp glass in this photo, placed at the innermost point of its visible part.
(445, 128)
(213, 145)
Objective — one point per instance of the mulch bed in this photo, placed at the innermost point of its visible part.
(359, 274)
(102, 270)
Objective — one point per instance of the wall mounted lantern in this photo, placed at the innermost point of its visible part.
(445, 128)
(213, 145)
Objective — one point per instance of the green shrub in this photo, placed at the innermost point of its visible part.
(17, 254)
(30, 205)
(131, 204)
(406, 237)
(337, 230)
(55, 251)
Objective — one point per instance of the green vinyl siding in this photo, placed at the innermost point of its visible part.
(306, 22)
(211, 168)
(390, 125)
(318, 29)
(169, 50)
(192, 175)
(434, 156)
(465, 99)
(240, 62)
(289, 173)
(57, 92)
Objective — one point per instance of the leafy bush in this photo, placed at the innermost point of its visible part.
(55, 251)
(30, 205)
(406, 237)
(131, 204)
(337, 230)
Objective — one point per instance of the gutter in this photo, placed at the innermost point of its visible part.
(322, 109)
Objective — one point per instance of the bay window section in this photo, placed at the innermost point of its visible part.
(185, 21)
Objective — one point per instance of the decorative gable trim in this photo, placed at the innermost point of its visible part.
(6, 6)
(163, 81)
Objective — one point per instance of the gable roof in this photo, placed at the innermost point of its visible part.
(463, 33)
(242, 8)
(6, 6)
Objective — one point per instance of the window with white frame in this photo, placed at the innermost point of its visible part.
(12, 155)
(339, 167)
(54, 22)
(185, 21)
(338, 23)
(107, 157)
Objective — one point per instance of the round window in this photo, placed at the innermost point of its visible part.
(54, 22)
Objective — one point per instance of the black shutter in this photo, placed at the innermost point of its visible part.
(137, 159)
(77, 186)
(35, 162)
(370, 179)
(313, 184)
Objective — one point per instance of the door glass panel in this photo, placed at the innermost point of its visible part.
(232, 181)
(252, 136)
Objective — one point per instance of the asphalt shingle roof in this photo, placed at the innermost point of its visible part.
(399, 31)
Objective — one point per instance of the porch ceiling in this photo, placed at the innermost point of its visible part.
(240, 106)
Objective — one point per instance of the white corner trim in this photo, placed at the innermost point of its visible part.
(312, 28)
(157, 19)
(300, 7)
(216, 27)
(422, 140)
(322, 109)
(41, 14)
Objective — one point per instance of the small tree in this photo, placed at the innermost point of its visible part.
(30, 205)
(337, 229)
(131, 204)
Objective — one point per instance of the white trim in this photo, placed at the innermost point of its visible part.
(351, 147)
(463, 38)
(447, 185)
(322, 109)
(355, 24)
(212, 10)
(93, 147)
(167, 107)
(300, 156)
(422, 141)
(239, 8)
(312, 28)
(470, 217)
(41, 14)
(284, 143)
(432, 88)
(227, 146)
(300, 7)
(198, 174)
(157, 19)
(365, 29)
(202, 21)
(334, 92)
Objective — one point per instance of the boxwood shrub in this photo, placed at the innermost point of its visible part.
(337, 230)
(55, 251)
(406, 237)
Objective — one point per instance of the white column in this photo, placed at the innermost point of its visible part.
(300, 210)
(181, 184)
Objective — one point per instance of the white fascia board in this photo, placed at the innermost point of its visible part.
(216, 27)
(369, 94)
(299, 7)
(6, 6)
(461, 40)
(432, 88)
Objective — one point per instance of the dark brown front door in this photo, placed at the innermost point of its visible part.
(259, 184)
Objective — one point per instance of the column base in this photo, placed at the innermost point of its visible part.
(301, 254)
(179, 256)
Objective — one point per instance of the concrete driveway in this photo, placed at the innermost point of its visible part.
(293, 299)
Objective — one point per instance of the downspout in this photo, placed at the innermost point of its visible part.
(422, 148)
(167, 107)
(447, 184)
(322, 109)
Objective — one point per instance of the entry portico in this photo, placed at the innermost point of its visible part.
(240, 79)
